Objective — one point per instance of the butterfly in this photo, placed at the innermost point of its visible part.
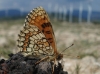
(37, 37)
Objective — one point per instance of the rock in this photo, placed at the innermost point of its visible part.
(18, 64)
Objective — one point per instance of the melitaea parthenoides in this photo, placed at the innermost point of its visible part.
(37, 36)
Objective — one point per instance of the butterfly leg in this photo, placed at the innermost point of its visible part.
(45, 59)
(42, 60)
(54, 66)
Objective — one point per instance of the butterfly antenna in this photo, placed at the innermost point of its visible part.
(67, 47)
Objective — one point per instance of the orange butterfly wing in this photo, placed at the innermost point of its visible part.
(39, 18)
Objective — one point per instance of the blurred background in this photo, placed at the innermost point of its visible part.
(75, 21)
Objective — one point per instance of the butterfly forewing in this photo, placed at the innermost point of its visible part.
(37, 35)
(43, 23)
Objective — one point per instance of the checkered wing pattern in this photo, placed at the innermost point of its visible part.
(37, 35)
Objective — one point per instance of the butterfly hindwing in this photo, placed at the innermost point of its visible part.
(32, 40)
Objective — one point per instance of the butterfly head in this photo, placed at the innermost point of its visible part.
(59, 56)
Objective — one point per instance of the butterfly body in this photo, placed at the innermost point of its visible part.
(37, 37)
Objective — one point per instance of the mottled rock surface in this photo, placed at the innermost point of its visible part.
(18, 64)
